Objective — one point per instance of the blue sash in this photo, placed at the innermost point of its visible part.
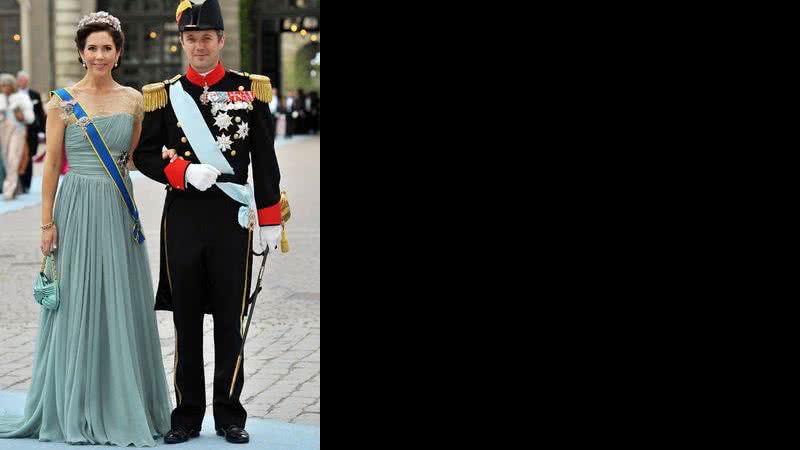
(205, 149)
(104, 155)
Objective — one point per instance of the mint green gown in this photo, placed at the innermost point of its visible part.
(98, 375)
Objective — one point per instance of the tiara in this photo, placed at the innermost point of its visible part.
(100, 17)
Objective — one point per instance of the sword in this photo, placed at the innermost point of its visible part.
(253, 298)
(285, 216)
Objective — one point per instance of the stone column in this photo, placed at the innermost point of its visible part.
(231, 55)
(36, 54)
(25, 31)
(68, 13)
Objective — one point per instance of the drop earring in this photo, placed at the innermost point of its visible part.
(83, 63)
(116, 64)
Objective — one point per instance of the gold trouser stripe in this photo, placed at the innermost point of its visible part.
(175, 371)
(166, 257)
(169, 279)
(246, 279)
(244, 304)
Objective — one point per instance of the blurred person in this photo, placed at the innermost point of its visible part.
(98, 374)
(299, 113)
(23, 83)
(313, 112)
(18, 114)
(273, 105)
(291, 114)
(280, 117)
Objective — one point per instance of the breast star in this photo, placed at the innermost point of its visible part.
(244, 129)
(223, 121)
(224, 143)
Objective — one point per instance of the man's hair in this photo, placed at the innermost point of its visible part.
(220, 33)
(22, 73)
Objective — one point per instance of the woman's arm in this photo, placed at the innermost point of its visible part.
(52, 169)
(137, 134)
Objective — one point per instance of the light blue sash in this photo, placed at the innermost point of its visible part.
(104, 155)
(205, 148)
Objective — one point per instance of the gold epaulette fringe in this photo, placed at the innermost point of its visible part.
(286, 214)
(261, 87)
(155, 96)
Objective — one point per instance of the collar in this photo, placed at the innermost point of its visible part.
(211, 79)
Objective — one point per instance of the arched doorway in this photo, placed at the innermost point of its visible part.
(152, 50)
(277, 27)
(10, 37)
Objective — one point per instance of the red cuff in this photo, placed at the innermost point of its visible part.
(270, 216)
(176, 173)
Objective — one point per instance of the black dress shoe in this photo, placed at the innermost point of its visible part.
(234, 434)
(179, 435)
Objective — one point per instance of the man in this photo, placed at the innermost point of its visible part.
(217, 120)
(23, 84)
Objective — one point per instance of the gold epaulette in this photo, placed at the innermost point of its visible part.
(155, 95)
(261, 87)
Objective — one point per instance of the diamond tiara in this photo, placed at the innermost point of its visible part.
(101, 17)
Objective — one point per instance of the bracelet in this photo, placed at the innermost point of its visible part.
(48, 226)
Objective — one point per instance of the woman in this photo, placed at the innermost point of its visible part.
(17, 113)
(98, 373)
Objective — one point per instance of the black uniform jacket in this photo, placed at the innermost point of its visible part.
(248, 135)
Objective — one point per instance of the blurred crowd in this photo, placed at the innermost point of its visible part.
(297, 112)
(22, 125)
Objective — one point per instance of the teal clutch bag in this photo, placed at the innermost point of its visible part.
(45, 288)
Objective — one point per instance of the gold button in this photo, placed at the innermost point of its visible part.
(184, 140)
(241, 88)
(238, 119)
(187, 154)
(250, 106)
(179, 125)
(233, 152)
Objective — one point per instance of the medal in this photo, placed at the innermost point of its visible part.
(204, 97)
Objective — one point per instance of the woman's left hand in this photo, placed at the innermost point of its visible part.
(170, 154)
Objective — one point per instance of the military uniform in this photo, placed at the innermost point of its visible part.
(206, 258)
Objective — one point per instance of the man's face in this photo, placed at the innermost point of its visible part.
(202, 48)
(22, 82)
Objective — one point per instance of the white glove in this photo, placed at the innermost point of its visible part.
(202, 176)
(270, 236)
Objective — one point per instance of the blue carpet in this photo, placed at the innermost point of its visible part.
(32, 198)
(264, 434)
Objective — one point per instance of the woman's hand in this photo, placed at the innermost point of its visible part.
(170, 154)
(49, 241)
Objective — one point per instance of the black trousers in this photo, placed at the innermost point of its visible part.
(209, 266)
